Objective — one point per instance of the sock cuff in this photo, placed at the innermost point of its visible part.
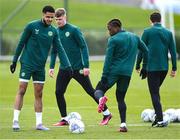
(106, 112)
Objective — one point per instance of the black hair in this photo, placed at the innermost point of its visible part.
(155, 17)
(48, 8)
(115, 22)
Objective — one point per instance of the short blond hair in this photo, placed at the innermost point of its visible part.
(60, 12)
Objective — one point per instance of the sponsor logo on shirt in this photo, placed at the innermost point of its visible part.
(67, 34)
(36, 31)
(50, 33)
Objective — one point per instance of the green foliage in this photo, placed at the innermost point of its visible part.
(137, 99)
(178, 43)
(97, 42)
(82, 14)
(91, 17)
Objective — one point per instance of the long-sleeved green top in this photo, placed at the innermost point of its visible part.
(121, 54)
(75, 46)
(35, 43)
(159, 41)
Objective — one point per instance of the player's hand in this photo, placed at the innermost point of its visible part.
(173, 73)
(51, 73)
(138, 69)
(86, 71)
(13, 67)
(143, 74)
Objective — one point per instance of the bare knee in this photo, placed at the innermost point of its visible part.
(22, 89)
(38, 90)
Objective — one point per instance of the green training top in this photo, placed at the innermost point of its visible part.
(159, 41)
(121, 54)
(36, 41)
(75, 46)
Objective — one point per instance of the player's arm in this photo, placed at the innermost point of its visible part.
(172, 50)
(59, 50)
(140, 54)
(108, 58)
(52, 61)
(53, 57)
(142, 48)
(22, 42)
(139, 60)
(77, 34)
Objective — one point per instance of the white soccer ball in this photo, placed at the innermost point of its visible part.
(177, 114)
(171, 113)
(152, 119)
(76, 126)
(166, 118)
(73, 115)
(147, 115)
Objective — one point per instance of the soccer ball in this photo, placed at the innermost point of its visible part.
(177, 114)
(171, 113)
(147, 115)
(76, 126)
(166, 117)
(73, 115)
(152, 119)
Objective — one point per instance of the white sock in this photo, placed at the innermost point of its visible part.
(38, 118)
(16, 115)
(123, 125)
(64, 118)
(100, 99)
(106, 112)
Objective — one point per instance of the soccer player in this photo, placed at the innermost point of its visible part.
(159, 41)
(118, 66)
(77, 52)
(35, 43)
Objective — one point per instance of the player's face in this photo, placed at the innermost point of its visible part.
(48, 18)
(112, 30)
(61, 21)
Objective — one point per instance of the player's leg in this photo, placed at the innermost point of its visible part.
(99, 93)
(18, 104)
(162, 76)
(154, 83)
(102, 87)
(85, 82)
(62, 81)
(38, 81)
(24, 77)
(122, 86)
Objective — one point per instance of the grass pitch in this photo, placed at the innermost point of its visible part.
(137, 99)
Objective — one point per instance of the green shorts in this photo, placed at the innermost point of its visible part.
(38, 76)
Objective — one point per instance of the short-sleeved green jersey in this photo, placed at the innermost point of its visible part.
(35, 42)
(121, 54)
(159, 41)
(75, 46)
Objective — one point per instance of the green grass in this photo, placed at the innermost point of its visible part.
(77, 100)
(82, 14)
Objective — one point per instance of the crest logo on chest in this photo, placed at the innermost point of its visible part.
(67, 34)
(50, 33)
